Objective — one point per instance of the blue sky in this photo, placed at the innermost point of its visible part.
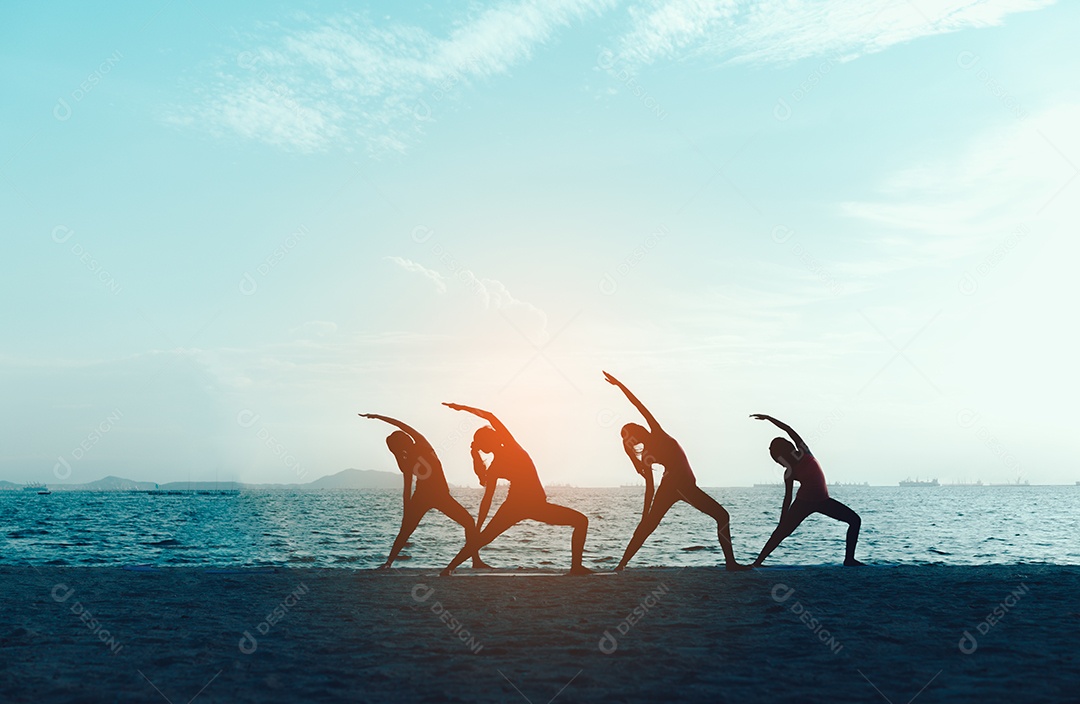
(231, 228)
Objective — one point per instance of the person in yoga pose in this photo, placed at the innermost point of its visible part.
(416, 458)
(526, 497)
(813, 497)
(677, 484)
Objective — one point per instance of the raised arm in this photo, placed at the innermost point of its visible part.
(800, 444)
(649, 492)
(485, 503)
(789, 484)
(486, 415)
(408, 477)
(654, 426)
(413, 432)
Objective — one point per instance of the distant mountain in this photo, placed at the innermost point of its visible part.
(357, 479)
(109, 483)
(345, 479)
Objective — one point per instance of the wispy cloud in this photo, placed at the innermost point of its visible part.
(783, 31)
(951, 207)
(492, 294)
(430, 274)
(349, 80)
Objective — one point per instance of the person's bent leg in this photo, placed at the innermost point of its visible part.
(458, 513)
(796, 514)
(696, 497)
(834, 509)
(409, 521)
(556, 515)
(506, 516)
(665, 498)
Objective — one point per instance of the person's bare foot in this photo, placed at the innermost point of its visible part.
(383, 566)
(447, 573)
(736, 567)
(579, 569)
(481, 565)
(853, 563)
(620, 567)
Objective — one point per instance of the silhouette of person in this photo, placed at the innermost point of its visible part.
(813, 497)
(416, 458)
(525, 499)
(677, 484)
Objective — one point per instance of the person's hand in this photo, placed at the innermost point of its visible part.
(454, 406)
(611, 380)
(366, 415)
(760, 416)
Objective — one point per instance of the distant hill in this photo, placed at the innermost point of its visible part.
(345, 479)
(357, 479)
(109, 483)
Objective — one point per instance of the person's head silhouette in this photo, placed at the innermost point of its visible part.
(486, 440)
(783, 451)
(400, 443)
(634, 435)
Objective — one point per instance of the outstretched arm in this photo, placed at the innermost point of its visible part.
(649, 418)
(783, 528)
(485, 503)
(789, 484)
(413, 432)
(649, 492)
(408, 493)
(644, 469)
(800, 444)
(486, 415)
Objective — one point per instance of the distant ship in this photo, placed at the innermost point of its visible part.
(778, 484)
(38, 488)
(849, 483)
(919, 482)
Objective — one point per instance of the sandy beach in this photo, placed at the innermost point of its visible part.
(649, 634)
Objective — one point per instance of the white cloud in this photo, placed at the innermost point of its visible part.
(783, 31)
(1017, 174)
(432, 275)
(346, 79)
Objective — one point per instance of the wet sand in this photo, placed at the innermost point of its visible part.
(649, 634)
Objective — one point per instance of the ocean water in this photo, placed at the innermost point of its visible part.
(961, 525)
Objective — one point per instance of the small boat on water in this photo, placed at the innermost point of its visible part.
(919, 482)
(38, 488)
